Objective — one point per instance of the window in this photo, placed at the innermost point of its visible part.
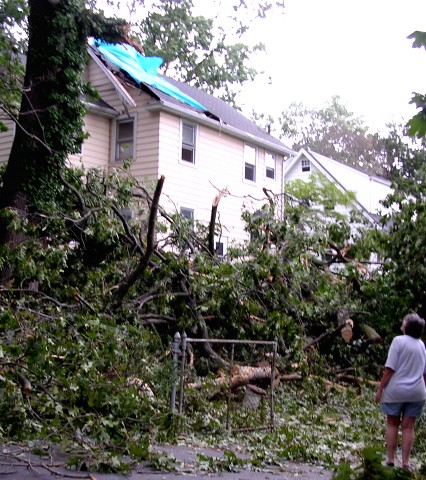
(250, 163)
(188, 142)
(219, 249)
(306, 165)
(220, 246)
(270, 165)
(127, 214)
(124, 140)
(187, 214)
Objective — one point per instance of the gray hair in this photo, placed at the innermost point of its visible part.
(414, 325)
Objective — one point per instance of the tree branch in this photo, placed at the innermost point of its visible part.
(212, 224)
(150, 237)
(208, 350)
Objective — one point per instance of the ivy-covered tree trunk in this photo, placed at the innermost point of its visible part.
(50, 121)
(51, 118)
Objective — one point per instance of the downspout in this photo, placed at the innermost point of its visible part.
(371, 193)
(282, 189)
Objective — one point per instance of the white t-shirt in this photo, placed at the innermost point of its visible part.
(407, 357)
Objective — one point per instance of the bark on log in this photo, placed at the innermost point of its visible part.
(323, 335)
(243, 375)
(355, 380)
(288, 377)
(25, 383)
(370, 333)
(212, 224)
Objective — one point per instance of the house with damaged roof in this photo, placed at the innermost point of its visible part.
(200, 144)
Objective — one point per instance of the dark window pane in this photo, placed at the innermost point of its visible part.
(270, 172)
(124, 141)
(270, 161)
(219, 249)
(306, 165)
(125, 130)
(249, 172)
(188, 143)
(187, 154)
(187, 213)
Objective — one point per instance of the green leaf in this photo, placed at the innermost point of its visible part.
(417, 125)
(419, 39)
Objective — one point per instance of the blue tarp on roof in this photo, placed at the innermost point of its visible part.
(142, 69)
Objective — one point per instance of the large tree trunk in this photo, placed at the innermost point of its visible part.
(50, 123)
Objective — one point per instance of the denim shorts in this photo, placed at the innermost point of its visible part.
(407, 409)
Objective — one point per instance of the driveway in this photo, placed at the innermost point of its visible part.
(18, 464)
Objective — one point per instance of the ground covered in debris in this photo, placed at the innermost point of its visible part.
(172, 461)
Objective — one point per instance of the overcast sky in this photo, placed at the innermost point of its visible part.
(355, 49)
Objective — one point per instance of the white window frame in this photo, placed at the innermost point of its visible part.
(131, 140)
(190, 147)
(270, 165)
(184, 211)
(250, 164)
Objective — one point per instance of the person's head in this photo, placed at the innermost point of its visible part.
(413, 325)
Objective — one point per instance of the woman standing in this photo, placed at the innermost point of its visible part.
(402, 391)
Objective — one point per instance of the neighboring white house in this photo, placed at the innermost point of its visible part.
(199, 143)
(369, 189)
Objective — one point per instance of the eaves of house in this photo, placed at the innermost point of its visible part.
(100, 107)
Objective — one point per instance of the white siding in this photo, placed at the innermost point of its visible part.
(369, 190)
(103, 85)
(6, 140)
(145, 164)
(297, 173)
(95, 151)
(378, 191)
(219, 166)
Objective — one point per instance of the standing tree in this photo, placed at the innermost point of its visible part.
(194, 51)
(13, 14)
(334, 132)
(49, 126)
(403, 245)
(417, 125)
(400, 287)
